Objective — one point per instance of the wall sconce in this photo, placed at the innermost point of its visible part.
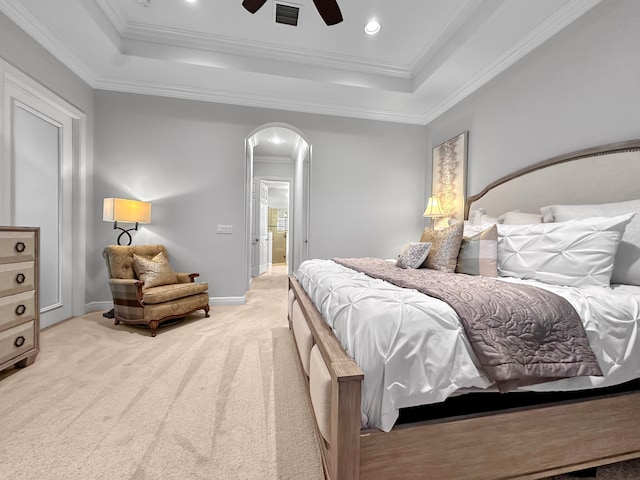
(127, 211)
(433, 210)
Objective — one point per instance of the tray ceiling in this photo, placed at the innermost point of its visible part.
(428, 55)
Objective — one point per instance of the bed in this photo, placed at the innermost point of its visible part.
(593, 424)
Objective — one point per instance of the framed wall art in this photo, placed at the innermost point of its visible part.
(449, 182)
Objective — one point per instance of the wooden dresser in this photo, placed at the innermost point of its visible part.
(19, 309)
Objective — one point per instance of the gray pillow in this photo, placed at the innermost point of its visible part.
(413, 255)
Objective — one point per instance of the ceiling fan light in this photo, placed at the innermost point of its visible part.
(372, 28)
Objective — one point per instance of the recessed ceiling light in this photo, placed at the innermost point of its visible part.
(276, 140)
(191, 1)
(372, 28)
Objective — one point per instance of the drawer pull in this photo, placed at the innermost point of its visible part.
(19, 341)
(20, 309)
(20, 246)
(20, 278)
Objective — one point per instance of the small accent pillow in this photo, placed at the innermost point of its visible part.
(445, 247)
(154, 272)
(576, 253)
(626, 268)
(479, 253)
(413, 255)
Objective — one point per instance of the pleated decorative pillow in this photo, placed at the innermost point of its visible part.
(576, 253)
(626, 268)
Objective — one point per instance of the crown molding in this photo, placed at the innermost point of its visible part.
(27, 22)
(113, 14)
(250, 100)
(457, 19)
(563, 17)
(174, 37)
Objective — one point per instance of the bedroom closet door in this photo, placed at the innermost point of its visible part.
(39, 164)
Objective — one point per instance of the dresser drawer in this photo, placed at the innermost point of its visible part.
(17, 246)
(17, 278)
(16, 309)
(17, 340)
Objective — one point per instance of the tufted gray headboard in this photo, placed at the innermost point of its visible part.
(609, 173)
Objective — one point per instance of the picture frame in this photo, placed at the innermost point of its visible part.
(449, 175)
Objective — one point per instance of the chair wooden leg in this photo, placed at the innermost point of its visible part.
(206, 311)
(153, 324)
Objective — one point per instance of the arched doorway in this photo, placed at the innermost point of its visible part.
(276, 152)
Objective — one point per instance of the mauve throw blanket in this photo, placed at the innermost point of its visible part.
(521, 334)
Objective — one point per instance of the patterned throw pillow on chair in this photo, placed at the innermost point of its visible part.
(154, 272)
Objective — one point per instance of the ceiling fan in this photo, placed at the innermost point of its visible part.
(328, 9)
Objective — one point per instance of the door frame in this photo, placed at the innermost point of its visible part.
(250, 142)
(289, 182)
(13, 79)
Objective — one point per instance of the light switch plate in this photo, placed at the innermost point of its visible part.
(225, 229)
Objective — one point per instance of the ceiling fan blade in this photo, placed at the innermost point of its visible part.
(253, 5)
(329, 11)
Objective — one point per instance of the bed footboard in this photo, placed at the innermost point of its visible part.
(334, 385)
(521, 443)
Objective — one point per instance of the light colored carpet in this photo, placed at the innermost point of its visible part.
(208, 398)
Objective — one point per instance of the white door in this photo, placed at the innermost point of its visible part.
(40, 162)
(263, 228)
(255, 226)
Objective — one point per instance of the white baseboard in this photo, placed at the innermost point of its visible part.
(227, 300)
(93, 306)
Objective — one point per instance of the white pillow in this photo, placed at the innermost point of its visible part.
(476, 217)
(626, 268)
(575, 253)
(516, 217)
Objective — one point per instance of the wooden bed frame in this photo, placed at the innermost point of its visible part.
(517, 443)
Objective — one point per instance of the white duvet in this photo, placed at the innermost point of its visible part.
(413, 350)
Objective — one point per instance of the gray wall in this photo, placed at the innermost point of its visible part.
(579, 89)
(263, 168)
(187, 157)
(24, 53)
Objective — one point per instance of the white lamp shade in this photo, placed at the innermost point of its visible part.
(433, 208)
(125, 210)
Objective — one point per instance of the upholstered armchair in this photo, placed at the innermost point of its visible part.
(146, 290)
